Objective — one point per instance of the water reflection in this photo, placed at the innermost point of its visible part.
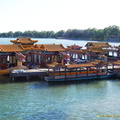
(4, 79)
(48, 115)
(72, 82)
(39, 85)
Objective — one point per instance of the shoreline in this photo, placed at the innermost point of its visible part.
(115, 41)
(91, 40)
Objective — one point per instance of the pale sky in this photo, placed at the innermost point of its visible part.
(22, 15)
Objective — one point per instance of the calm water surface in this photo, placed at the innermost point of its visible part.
(59, 101)
(66, 101)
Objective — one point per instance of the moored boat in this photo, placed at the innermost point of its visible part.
(70, 78)
(77, 72)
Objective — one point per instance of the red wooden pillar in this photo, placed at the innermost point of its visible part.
(32, 58)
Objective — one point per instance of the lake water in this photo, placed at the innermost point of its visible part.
(56, 41)
(83, 100)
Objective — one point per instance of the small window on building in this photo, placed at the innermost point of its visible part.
(3, 60)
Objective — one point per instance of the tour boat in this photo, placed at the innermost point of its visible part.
(77, 72)
(61, 78)
(78, 77)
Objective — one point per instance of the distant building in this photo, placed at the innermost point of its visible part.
(75, 47)
(24, 41)
(97, 44)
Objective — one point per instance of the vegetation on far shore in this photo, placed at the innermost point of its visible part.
(108, 33)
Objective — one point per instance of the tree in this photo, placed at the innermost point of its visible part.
(60, 33)
(28, 34)
(114, 31)
(87, 34)
(3, 35)
(10, 34)
(18, 34)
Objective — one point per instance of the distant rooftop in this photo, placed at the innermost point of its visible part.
(74, 46)
(97, 44)
(23, 41)
(49, 47)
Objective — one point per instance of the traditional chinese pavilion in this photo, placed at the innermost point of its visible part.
(97, 53)
(8, 56)
(43, 54)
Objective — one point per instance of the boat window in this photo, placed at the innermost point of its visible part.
(3, 60)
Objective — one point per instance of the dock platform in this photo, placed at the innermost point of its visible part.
(41, 73)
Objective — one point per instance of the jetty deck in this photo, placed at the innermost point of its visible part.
(28, 73)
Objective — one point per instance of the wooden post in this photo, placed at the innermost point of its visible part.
(76, 73)
(19, 63)
(62, 61)
(65, 74)
(107, 68)
(13, 79)
(31, 57)
(118, 53)
(54, 72)
(96, 70)
(27, 77)
(113, 54)
(87, 72)
(113, 67)
(59, 70)
(80, 70)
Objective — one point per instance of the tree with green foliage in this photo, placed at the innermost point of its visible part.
(87, 34)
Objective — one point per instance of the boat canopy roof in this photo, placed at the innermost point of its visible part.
(80, 65)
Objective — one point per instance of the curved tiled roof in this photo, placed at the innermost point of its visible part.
(49, 47)
(11, 48)
(98, 44)
(80, 65)
(96, 49)
(117, 62)
(78, 51)
(74, 46)
(23, 40)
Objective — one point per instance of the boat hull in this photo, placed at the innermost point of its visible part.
(81, 78)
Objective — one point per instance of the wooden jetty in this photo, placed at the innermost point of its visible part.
(27, 74)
